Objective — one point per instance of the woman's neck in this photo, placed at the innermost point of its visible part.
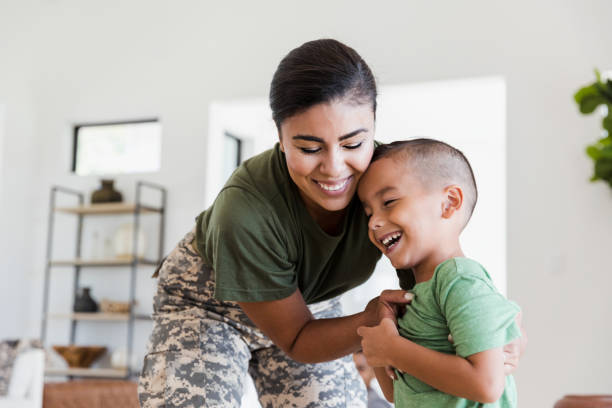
(330, 221)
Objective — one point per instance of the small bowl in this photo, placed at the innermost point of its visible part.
(80, 356)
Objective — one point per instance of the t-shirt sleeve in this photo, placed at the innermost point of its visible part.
(478, 316)
(247, 247)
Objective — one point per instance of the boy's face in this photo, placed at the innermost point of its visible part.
(404, 217)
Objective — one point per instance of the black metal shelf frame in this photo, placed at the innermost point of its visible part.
(135, 262)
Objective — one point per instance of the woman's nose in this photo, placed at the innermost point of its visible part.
(333, 164)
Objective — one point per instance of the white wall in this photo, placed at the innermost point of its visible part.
(64, 61)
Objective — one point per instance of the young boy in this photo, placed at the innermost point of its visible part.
(419, 195)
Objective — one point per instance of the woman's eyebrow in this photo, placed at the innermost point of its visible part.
(311, 138)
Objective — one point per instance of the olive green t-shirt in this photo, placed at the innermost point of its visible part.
(263, 244)
(460, 299)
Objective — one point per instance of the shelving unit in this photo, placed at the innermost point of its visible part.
(136, 210)
(89, 372)
(108, 317)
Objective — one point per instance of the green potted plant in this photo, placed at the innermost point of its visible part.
(589, 98)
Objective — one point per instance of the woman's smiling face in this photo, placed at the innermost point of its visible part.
(328, 147)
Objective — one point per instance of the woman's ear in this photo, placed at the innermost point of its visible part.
(453, 200)
(280, 141)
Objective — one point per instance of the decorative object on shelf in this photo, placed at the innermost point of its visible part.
(585, 401)
(118, 359)
(83, 302)
(80, 356)
(110, 306)
(589, 98)
(124, 239)
(106, 193)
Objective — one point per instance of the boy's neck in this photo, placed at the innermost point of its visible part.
(424, 271)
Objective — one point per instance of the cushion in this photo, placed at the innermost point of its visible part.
(8, 354)
(9, 350)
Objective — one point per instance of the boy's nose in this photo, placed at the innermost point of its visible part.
(374, 223)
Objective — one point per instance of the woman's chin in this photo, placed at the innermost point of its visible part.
(336, 204)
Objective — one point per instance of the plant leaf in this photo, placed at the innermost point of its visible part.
(605, 141)
(603, 169)
(593, 152)
(604, 91)
(606, 152)
(589, 90)
(607, 121)
(588, 98)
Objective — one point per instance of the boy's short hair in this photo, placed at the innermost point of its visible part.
(437, 165)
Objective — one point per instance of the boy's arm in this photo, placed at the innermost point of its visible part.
(480, 377)
(386, 384)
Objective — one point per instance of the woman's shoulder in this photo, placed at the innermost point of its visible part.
(258, 194)
(264, 175)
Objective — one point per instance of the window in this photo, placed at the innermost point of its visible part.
(232, 148)
(117, 148)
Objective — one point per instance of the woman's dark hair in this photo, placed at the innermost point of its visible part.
(316, 72)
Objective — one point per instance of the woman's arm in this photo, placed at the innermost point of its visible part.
(480, 377)
(290, 325)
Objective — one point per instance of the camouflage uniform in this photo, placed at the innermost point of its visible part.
(201, 349)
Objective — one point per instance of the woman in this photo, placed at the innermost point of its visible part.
(254, 287)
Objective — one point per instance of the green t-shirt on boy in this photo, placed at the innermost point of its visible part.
(460, 299)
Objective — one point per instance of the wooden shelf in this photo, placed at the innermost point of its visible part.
(103, 262)
(108, 317)
(108, 208)
(88, 372)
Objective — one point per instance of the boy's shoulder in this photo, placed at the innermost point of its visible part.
(459, 267)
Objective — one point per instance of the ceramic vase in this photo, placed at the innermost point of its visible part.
(106, 193)
(83, 302)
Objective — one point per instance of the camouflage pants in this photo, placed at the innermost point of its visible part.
(201, 349)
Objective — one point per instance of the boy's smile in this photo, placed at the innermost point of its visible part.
(390, 240)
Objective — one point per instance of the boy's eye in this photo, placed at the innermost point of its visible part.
(387, 202)
(353, 146)
(311, 150)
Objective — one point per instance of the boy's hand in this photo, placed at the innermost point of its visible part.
(375, 340)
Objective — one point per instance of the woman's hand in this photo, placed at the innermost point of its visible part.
(514, 350)
(375, 342)
(389, 304)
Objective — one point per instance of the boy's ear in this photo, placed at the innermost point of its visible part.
(453, 200)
